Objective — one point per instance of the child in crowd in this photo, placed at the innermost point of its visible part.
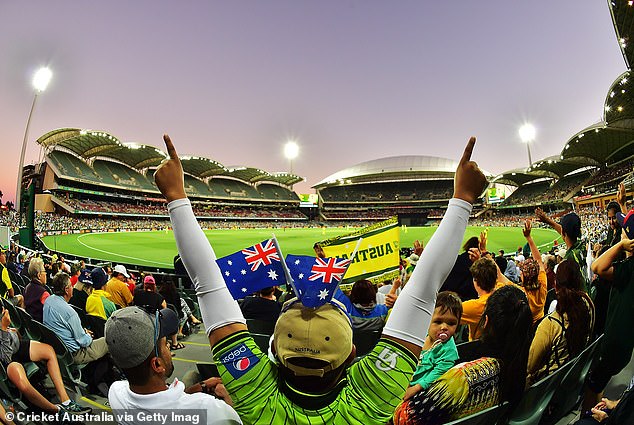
(439, 353)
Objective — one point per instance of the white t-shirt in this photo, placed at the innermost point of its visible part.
(127, 405)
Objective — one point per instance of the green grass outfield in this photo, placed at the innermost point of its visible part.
(157, 249)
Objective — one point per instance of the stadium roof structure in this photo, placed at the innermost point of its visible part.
(255, 175)
(201, 167)
(555, 167)
(85, 143)
(618, 108)
(622, 12)
(91, 143)
(597, 144)
(137, 156)
(393, 167)
(517, 177)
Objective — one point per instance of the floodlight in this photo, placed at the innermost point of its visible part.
(291, 150)
(527, 133)
(41, 78)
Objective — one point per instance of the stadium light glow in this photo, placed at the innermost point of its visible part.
(41, 79)
(527, 134)
(291, 150)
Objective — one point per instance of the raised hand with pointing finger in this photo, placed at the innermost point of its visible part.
(469, 181)
(169, 176)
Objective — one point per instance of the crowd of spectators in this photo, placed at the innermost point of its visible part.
(201, 210)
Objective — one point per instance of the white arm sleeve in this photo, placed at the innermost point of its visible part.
(217, 306)
(411, 315)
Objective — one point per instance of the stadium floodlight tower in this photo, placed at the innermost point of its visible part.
(41, 78)
(291, 150)
(527, 134)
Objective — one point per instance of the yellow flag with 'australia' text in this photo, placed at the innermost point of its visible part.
(378, 253)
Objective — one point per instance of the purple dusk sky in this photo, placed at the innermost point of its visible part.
(350, 80)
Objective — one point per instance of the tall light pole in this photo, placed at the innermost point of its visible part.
(527, 134)
(40, 81)
(291, 150)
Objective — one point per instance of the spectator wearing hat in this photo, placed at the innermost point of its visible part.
(311, 381)
(137, 341)
(569, 227)
(618, 341)
(148, 297)
(117, 286)
(6, 287)
(81, 290)
(35, 293)
(98, 302)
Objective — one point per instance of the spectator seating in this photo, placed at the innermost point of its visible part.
(71, 166)
(537, 397)
(195, 187)
(527, 194)
(568, 395)
(71, 372)
(275, 192)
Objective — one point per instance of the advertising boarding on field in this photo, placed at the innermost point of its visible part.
(378, 255)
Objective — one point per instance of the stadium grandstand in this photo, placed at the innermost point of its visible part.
(412, 187)
(90, 173)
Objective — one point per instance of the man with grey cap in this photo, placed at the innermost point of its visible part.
(310, 381)
(137, 342)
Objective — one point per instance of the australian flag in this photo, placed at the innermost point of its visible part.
(316, 279)
(252, 269)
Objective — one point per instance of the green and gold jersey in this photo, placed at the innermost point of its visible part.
(373, 387)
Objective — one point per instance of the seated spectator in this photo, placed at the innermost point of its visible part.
(262, 306)
(35, 293)
(485, 274)
(148, 298)
(98, 302)
(512, 272)
(117, 287)
(439, 354)
(65, 322)
(141, 351)
(174, 301)
(6, 287)
(15, 351)
(361, 305)
(496, 374)
(81, 290)
(563, 334)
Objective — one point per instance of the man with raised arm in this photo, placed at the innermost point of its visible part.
(311, 383)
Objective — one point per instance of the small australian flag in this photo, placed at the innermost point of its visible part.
(252, 269)
(316, 279)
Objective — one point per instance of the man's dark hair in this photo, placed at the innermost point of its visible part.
(485, 273)
(266, 292)
(59, 283)
(612, 205)
(449, 301)
(363, 292)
